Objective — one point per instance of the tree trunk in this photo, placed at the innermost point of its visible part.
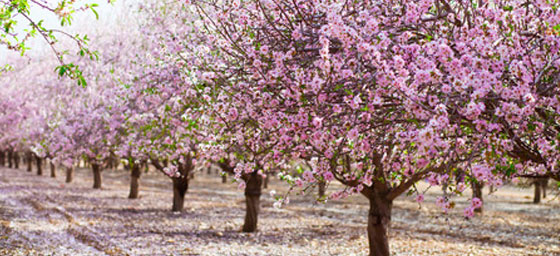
(96, 176)
(477, 192)
(134, 181)
(253, 191)
(16, 160)
(544, 187)
(69, 174)
(537, 196)
(322, 189)
(53, 170)
(224, 178)
(39, 163)
(180, 187)
(29, 162)
(2, 158)
(10, 160)
(379, 221)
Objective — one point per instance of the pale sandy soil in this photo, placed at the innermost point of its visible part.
(45, 216)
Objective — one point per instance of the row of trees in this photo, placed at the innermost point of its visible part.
(376, 95)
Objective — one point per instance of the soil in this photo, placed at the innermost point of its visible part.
(40, 215)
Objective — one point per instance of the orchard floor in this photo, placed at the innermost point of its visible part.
(40, 215)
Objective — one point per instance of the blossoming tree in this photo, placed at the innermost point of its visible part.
(380, 95)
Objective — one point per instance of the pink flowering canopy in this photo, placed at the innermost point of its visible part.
(384, 94)
(376, 95)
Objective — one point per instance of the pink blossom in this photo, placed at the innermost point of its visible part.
(328, 176)
(476, 203)
(468, 212)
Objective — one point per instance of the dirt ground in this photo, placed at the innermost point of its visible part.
(40, 215)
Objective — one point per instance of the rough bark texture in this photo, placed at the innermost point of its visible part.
(379, 221)
(53, 169)
(180, 187)
(477, 192)
(181, 184)
(134, 181)
(39, 163)
(537, 196)
(96, 168)
(69, 174)
(253, 190)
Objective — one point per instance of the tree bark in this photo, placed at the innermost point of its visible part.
(322, 189)
(69, 174)
(134, 181)
(224, 178)
(477, 192)
(39, 163)
(253, 190)
(53, 170)
(544, 187)
(96, 168)
(29, 160)
(180, 187)
(537, 196)
(2, 158)
(16, 160)
(379, 221)
(10, 159)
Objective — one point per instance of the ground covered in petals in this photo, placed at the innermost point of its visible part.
(44, 216)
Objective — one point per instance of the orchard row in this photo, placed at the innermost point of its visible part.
(375, 95)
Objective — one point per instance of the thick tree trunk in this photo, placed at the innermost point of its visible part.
(379, 220)
(16, 160)
(39, 163)
(69, 174)
(253, 190)
(477, 192)
(180, 187)
(96, 168)
(29, 160)
(53, 169)
(224, 178)
(537, 196)
(134, 181)
(322, 189)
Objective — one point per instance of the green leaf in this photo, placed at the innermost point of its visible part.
(95, 12)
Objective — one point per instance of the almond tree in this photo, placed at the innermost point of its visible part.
(380, 95)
